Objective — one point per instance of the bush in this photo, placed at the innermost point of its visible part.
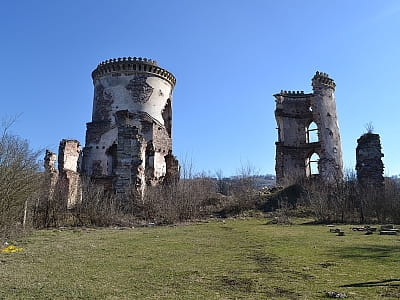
(348, 201)
(190, 198)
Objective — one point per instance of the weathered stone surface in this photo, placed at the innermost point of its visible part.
(129, 139)
(69, 154)
(50, 159)
(369, 165)
(173, 169)
(298, 142)
(139, 89)
(103, 99)
(51, 173)
(67, 178)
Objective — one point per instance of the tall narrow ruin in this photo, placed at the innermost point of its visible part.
(369, 155)
(66, 180)
(69, 155)
(129, 142)
(308, 133)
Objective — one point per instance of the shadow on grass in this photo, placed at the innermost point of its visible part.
(375, 252)
(387, 282)
(266, 263)
(255, 287)
(321, 222)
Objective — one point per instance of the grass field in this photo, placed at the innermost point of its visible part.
(234, 259)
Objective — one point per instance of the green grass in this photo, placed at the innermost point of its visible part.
(235, 259)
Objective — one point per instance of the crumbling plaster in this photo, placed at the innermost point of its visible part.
(131, 112)
(119, 92)
(128, 141)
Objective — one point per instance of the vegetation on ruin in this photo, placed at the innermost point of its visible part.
(219, 259)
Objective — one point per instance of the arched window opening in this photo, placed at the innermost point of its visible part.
(312, 133)
(312, 165)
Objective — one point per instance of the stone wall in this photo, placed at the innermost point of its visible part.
(67, 178)
(51, 173)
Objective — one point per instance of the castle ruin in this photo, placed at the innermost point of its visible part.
(369, 155)
(308, 133)
(129, 139)
(66, 177)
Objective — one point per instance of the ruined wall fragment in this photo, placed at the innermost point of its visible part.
(295, 113)
(51, 173)
(69, 153)
(369, 164)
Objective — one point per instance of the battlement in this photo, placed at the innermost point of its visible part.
(323, 79)
(132, 59)
(292, 94)
(132, 65)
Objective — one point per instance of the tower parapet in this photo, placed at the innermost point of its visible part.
(291, 93)
(129, 65)
(322, 79)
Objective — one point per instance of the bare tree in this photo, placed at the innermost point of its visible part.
(369, 127)
(222, 184)
(19, 179)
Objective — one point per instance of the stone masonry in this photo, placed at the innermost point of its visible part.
(69, 155)
(308, 133)
(129, 141)
(67, 178)
(369, 164)
(51, 173)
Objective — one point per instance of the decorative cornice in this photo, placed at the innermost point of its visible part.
(127, 65)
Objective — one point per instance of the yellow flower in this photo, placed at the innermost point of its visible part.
(11, 249)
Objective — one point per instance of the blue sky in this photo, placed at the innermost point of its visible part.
(229, 58)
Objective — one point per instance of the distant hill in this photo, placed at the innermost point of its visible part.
(261, 181)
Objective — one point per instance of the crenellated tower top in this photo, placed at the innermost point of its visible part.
(322, 79)
(292, 94)
(129, 65)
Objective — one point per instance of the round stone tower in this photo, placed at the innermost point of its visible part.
(129, 142)
(323, 106)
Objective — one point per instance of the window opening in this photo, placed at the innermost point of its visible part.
(312, 166)
(312, 133)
